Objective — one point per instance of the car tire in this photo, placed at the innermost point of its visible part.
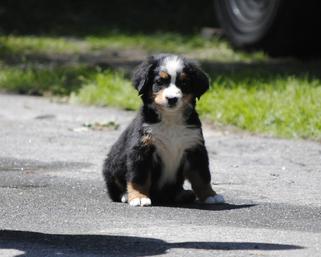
(246, 22)
(278, 27)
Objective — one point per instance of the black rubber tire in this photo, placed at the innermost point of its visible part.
(247, 22)
(279, 27)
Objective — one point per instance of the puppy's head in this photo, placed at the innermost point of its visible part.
(170, 81)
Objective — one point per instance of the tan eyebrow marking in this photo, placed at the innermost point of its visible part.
(164, 75)
(183, 76)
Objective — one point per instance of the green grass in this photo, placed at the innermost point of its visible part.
(42, 80)
(40, 45)
(108, 88)
(248, 91)
(159, 42)
(282, 105)
(168, 42)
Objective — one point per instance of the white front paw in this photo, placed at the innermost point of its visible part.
(214, 199)
(145, 201)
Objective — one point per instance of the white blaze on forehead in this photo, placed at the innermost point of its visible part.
(173, 65)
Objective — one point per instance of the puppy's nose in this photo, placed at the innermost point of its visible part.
(171, 100)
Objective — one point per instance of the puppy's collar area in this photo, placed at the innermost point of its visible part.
(170, 118)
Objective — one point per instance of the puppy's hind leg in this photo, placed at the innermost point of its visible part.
(114, 176)
(198, 174)
(116, 189)
(185, 197)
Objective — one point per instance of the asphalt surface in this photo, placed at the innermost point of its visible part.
(53, 201)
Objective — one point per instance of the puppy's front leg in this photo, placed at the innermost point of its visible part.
(138, 195)
(139, 177)
(198, 174)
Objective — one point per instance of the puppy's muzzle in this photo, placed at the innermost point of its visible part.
(172, 101)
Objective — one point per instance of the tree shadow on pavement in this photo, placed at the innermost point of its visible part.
(40, 244)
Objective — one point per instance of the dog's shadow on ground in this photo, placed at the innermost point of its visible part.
(30, 244)
(209, 207)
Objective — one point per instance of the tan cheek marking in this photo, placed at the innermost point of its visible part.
(138, 191)
(187, 99)
(159, 97)
(164, 75)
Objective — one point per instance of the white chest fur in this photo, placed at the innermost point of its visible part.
(171, 140)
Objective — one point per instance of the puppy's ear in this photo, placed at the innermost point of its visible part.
(199, 79)
(143, 74)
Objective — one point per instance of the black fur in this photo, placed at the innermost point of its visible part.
(131, 160)
(199, 78)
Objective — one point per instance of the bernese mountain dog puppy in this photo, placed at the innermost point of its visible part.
(164, 145)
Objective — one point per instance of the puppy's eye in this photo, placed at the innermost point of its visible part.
(161, 81)
(184, 83)
(157, 87)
